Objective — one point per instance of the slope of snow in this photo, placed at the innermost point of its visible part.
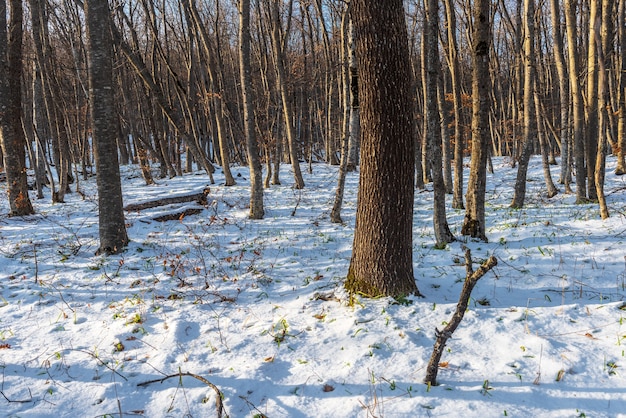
(257, 308)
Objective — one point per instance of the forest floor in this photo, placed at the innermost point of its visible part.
(257, 308)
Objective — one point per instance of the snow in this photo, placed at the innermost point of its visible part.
(257, 308)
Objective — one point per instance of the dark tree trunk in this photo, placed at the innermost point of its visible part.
(11, 132)
(382, 257)
(112, 228)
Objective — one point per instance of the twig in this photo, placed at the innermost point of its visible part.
(443, 336)
(219, 405)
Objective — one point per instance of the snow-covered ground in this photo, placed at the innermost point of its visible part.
(257, 308)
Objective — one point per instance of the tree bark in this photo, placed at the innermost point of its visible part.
(577, 102)
(591, 125)
(621, 121)
(12, 136)
(457, 199)
(530, 122)
(604, 34)
(254, 162)
(443, 235)
(335, 213)
(281, 80)
(474, 222)
(564, 96)
(382, 256)
(112, 229)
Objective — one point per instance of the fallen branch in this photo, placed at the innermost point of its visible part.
(219, 405)
(200, 198)
(176, 216)
(443, 336)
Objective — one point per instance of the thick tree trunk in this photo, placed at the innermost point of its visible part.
(12, 137)
(112, 228)
(474, 222)
(382, 257)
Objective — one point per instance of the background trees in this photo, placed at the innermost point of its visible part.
(181, 103)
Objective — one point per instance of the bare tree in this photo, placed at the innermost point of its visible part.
(278, 46)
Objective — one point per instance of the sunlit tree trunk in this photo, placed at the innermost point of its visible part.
(335, 213)
(591, 125)
(621, 122)
(474, 222)
(577, 102)
(254, 162)
(604, 38)
(382, 256)
(530, 123)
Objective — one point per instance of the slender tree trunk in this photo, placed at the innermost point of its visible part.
(113, 237)
(564, 96)
(254, 162)
(281, 81)
(530, 122)
(474, 222)
(591, 126)
(335, 213)
(445, 136)
(382, 256)
(12, 136)
(621, 121)
(353, 141)
(457, 199)
(433, 123)
(544, 145)
(577, 102)
(217, 97)
(604, 36)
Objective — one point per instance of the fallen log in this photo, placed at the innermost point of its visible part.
(177, 216)
(200, 198)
